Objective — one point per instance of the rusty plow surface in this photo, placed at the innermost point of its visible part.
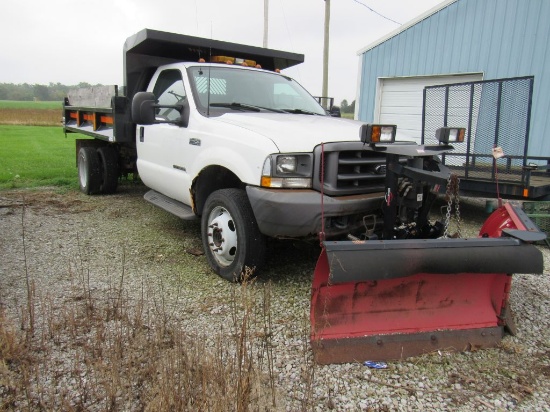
(386, 300)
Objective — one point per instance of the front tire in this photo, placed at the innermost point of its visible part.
(89, 175)
(231, 239)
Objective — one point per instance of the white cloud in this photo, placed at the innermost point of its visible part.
(71, 41)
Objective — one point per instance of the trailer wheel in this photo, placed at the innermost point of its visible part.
(108, 159)
(233, 244)
(89, 175)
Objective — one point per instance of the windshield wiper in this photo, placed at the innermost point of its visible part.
(236, 106)
(243, 106)
(300, 111)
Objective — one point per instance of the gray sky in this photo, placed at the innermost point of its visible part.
(72, 41)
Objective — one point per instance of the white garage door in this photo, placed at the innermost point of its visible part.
(399, 100)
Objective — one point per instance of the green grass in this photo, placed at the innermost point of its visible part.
(33, 156)
(11, 104)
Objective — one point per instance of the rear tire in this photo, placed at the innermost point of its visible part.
(108, 159)
(233, 244)
(89, 175)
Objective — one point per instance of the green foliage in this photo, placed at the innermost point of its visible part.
(347, 108)
(37, 92)
(34, 156)
(11, 104)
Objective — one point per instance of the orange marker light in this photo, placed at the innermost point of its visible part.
(266, 181)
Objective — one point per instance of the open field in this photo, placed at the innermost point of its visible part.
(34, 156)
(11, 104)
(30, 113)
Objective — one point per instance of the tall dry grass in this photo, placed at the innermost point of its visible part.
(113, 348)
(30, 117)
(111, 351)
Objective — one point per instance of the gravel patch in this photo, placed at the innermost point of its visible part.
(66, 243)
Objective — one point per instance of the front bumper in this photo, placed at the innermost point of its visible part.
(297, 213)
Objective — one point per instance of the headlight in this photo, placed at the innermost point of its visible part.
(450, 134)
(287, 171)
(377, 133)
(286, 164)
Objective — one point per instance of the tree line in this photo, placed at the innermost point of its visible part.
(57, 91)
(36, 92)
(347, 108)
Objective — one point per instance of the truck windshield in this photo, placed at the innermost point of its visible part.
(235, 89)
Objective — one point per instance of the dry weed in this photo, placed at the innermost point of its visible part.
(108, 350)
(31, 117)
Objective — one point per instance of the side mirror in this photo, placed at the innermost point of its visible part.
(143, 108)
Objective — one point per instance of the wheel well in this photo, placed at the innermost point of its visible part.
(208, 181)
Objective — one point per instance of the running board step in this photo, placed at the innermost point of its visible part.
(170, 205)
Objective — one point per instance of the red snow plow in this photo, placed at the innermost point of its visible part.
(406, 287)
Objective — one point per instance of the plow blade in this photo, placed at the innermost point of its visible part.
(384, 300)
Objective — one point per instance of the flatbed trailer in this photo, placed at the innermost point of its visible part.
(496, 114)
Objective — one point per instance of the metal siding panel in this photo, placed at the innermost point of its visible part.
(486, 40)
(405, 53)
(532, 26)
(409, 56)
(446, 52)
(432, 43)
(368, 84)
(421, 49)
(463, 37)
(509, 17)
(518, 26)
(474, 18)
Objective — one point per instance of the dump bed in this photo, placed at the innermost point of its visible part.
(98, 112)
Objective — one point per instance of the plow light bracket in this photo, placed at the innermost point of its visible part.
(377, 133)
(450, 134)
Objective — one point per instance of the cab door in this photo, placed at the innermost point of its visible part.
(161, 147)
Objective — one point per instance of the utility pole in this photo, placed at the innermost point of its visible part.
(325, 53)
(266, 21)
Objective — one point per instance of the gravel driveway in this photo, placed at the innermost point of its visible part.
(68, 242)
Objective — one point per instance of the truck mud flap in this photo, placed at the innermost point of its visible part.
(385, 300)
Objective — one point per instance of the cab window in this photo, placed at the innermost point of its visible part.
(169, 90)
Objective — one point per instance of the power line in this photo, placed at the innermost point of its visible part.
(375, 12)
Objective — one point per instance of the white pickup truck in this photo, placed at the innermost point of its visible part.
(218, 133)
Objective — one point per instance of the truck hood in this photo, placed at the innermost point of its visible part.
(295, 132)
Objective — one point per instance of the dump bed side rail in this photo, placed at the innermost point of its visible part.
(98, 112)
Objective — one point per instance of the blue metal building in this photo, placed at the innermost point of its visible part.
(458, 41)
